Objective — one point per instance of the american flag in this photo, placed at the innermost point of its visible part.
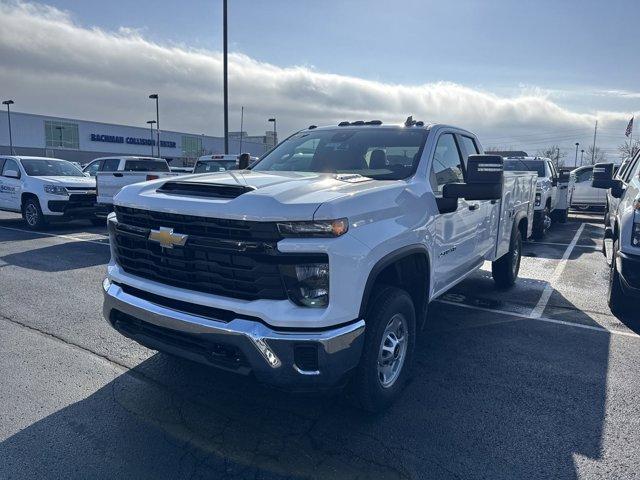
(629, 128)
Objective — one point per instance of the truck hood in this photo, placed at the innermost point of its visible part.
(270, 196)
(88, 182)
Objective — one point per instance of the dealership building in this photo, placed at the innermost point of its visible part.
(82, 141)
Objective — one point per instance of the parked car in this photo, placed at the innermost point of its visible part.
(310, 274)
(624, 230)
(551, 195)
(619, 173)
(45, 189)
(583, 195)
(113, 173)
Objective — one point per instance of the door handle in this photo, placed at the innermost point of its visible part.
(117, 174)
(475, 206)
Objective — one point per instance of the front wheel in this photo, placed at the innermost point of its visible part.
(388, 349)
(32, 214)
(505, 269)
(541, 222)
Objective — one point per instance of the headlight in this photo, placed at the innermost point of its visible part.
(538, 198)
(635, 238)
(55, 190)
(319, 228)
(308, 284)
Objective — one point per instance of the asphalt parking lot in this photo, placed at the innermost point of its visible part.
(539, 381)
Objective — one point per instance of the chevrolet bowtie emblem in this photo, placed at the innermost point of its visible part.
(166, 238)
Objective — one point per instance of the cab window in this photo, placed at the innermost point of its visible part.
(469, 145)
(584, 175)
(447, 163)
(110, 164)
(632, 170)
(10, 164)
(92, 168)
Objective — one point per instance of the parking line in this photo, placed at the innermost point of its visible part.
(69, 237)
(595, 247)
(540, 319)
(548, 289)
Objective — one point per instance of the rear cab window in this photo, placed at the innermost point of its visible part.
(145, 165)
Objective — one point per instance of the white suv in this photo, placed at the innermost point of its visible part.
(46, 189)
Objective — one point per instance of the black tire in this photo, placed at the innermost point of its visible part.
(539, 228)
(617, 299)
(32, 214)
(505, 269)
(390, 304)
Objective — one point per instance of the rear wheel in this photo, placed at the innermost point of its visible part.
(619, 303)
(505, 269)
(32, 214)
(388, 349)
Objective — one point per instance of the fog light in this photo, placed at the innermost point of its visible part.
(538, 198)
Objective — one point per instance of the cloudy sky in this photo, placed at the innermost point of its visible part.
(520, 74)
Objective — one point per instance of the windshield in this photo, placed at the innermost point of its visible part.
(50, 168)
(214, 166)
(515, 165)
(379, 153)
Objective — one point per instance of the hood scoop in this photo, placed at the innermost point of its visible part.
(204, 189)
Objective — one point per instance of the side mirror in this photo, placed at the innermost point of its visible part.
(483, 179)
(603, 178)
(12, 174)
(243, 161)
(554, 182)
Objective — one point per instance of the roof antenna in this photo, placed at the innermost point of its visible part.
(409, 121)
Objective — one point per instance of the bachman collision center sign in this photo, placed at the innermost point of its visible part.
(95, 137)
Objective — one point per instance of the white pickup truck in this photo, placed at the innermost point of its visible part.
(45, 189)
(113, 173)
(552, 191)
(622, 233)
(317, 265)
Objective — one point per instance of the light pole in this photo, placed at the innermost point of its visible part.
(275, 131)
(150, 123)
(8, 103)
(60, 129)
(575, 162)
(241, 127)
(225, 77)
(154, 96)
(581, 156)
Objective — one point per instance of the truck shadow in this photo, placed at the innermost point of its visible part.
(61, 257)
(492, 396)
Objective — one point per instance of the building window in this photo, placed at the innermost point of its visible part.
(61, 134)
(191, 146)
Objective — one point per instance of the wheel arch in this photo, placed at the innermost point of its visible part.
(521, 222)
(408, 268)
(25, 195)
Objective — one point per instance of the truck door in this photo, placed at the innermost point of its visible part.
(10, 188)
(456, 232)
(582, 189)
(110, 179)
(488, 212)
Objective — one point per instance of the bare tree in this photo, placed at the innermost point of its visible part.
(594, 156)
(553, 152)
(627, 151)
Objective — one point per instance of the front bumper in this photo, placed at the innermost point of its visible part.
(295, 359)
(74, 206)
(629, 270)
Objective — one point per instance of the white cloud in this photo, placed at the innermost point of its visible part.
(52, 65)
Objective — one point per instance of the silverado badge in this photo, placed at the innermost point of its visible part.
(166, 238)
